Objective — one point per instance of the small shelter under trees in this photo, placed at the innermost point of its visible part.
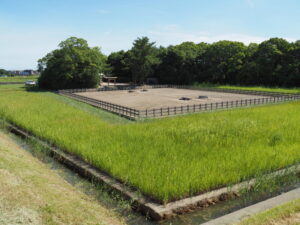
(110, 79)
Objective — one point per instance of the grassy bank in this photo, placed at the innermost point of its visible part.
(281, 90)
(166, 158)
(32, 193)
(288, 213)
(18, 78)
(253, 88)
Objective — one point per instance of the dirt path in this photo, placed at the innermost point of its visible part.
(31, 193)
(163, 97)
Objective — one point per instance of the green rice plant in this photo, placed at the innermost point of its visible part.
(168, 158)
(18, 78)
(258, 88)
(250, 88)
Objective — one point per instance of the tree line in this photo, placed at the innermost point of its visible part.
(275, 62)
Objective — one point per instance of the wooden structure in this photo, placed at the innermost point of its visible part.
(110, 79)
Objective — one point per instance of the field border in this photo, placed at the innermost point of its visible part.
(141, 202)
(134, 114)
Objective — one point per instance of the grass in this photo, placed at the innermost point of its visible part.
(252, 88)
(285, 214)
(257, 88)
(167, 158)
(18, 78)
(32, 193)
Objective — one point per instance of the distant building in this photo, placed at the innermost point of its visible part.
(23, 72)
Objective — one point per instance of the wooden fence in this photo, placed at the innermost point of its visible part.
(185, 109)
(129, 113)
(270, 97)
(212, 89)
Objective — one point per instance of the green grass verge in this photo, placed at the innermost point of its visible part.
(33, 193)
(166, 158)
(18, 78)
(283, 214)
(254, 88)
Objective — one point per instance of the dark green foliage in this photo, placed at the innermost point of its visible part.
(3, 72)
(119, 67)
(178, 63)
(274, 62)
(73, 65)
(141, 59)
(221, 62)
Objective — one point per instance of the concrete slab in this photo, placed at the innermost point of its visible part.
(237, 216)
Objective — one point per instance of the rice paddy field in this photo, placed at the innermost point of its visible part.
(281, 90)
(18, 78)
(252, 88)
(168, 158)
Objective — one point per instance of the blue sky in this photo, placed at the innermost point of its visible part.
(29, 29)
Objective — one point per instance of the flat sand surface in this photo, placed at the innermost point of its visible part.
(163, 97)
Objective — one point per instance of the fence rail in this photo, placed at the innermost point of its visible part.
(118, 109)
(185, 109)
(212, 89)
(270, 97)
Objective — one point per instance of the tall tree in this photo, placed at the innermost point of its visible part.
(222, 62)
(3, 72)
(118, 61)
(292, 66)
(269, 58)
(178, 63)
(73, 65)
(142, 58)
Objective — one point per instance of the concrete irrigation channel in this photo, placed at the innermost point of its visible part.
(142, 203)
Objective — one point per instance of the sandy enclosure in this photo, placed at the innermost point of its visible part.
(163, 97)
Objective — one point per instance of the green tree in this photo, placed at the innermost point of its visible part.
(292, 66)
(142, 58)
(222, 62)
(270, 59)
(178, 63)
(118, 62)
(73, 65)
(3, 72)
